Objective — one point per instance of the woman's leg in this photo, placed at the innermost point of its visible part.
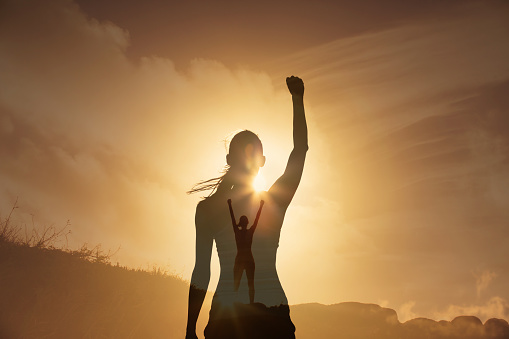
(250, 270)
(237, 274)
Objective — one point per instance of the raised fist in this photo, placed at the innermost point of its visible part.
(295, 85)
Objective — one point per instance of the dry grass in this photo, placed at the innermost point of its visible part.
(48, 291)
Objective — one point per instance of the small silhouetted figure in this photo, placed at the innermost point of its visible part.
(244, 259)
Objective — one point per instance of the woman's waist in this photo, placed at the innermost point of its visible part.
(267, 291)
(265, 269)
(244, 251)
(262, 272)
(262, 258)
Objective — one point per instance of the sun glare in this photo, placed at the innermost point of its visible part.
(259, 182)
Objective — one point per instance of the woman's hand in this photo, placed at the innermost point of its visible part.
(295, 86)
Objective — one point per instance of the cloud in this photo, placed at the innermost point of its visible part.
(113, 144)
(483, 279)
(405, 311)
(234, 34)
(390, 98)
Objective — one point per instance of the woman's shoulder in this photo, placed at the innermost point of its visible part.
(211, 203)
(211, 213)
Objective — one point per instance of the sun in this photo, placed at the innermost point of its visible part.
(259, 182)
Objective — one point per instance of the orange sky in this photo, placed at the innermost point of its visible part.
(109, 114)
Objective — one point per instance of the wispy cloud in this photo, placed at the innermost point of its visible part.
(112, 144)
(483, 280)
(405, 311)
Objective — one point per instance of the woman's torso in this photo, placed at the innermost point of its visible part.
(265, 241)
(244, 240)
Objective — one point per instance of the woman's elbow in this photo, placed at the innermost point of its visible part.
(201, 276)
(301, 148)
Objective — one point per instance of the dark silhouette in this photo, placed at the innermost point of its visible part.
(236, 312)
(244, 259)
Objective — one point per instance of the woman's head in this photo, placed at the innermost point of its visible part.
(245, 155)
(244, 159)
(243, 221)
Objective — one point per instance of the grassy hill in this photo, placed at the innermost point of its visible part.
(49, 293)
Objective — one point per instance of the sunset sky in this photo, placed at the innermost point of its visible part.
(111, 110)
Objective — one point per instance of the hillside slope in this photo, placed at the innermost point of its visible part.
(54, 294)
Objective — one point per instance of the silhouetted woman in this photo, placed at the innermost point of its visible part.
(233, 314)
(244, 259)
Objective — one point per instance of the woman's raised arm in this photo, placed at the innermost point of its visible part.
(284, 188)
(232, 215)
(201, 273)
(253, 227)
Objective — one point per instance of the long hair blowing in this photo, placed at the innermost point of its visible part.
(210, 184)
